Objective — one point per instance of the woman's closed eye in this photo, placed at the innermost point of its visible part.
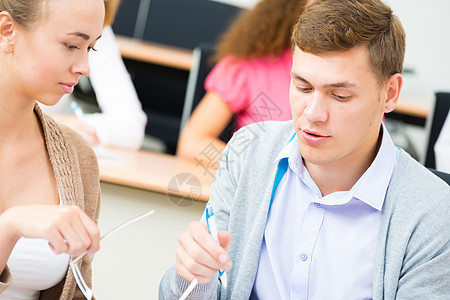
(72, 47)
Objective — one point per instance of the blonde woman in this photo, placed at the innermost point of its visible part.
(121, 122)
(49, 181)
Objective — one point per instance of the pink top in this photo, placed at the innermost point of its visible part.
(256, 90)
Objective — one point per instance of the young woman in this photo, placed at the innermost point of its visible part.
(122, 121)
(49, 181)
(251, 79)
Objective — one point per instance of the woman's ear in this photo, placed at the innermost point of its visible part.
(6, 32)
(392, 87)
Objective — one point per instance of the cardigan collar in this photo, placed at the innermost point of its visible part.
(61, 156)
(64, 163)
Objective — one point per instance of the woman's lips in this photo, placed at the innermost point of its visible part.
(67, 87)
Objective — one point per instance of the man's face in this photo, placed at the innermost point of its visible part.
(337, 107)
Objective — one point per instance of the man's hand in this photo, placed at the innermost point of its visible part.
(199, 255)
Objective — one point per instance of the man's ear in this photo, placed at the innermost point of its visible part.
(7, 28)
(392, 89)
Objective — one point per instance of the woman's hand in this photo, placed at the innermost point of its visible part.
(67, 228)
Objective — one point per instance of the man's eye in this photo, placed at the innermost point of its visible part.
(341, 98)
(303, 89)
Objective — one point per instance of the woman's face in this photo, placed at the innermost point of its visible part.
(49, 58)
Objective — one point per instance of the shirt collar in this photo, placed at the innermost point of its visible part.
(372, 185)
(285, 152)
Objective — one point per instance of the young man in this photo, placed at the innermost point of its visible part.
(328, 208)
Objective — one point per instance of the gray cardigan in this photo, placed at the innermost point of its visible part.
(413, 250)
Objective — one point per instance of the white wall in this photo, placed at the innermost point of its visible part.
(427, 26)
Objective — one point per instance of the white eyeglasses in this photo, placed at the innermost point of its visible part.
(85, 289)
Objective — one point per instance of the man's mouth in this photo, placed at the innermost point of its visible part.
(313, 133)
(311, 136)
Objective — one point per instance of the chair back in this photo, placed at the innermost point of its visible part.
(434, 125)
(128, 17)
(201, 66)
(187, 23)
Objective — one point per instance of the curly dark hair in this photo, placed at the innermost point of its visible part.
(262, 30)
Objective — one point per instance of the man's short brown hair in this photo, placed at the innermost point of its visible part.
(340, 25)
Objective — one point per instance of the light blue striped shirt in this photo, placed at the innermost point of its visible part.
(318, 247)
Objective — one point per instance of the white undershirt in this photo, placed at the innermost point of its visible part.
(34, 267)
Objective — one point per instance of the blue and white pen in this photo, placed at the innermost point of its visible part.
(77, 110)
(212, 228)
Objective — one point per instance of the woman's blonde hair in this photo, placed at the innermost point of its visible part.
(111, 7)
(263, 30)
(25, 12)
(29, 12)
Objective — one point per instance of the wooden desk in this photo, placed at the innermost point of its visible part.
(154, 53)
(411, 112)
(411, 108)
(157, 172)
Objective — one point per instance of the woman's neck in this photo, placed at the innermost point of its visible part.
(18, 120)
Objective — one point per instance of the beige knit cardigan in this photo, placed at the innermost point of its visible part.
(77, 177)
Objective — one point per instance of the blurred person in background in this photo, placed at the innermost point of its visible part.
(251, 78)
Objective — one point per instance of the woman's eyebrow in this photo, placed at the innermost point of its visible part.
(80, 34)
(84, 36)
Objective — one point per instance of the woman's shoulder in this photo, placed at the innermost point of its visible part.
(262, 62)
(235, 72)
(230, 63)
(76, 141)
